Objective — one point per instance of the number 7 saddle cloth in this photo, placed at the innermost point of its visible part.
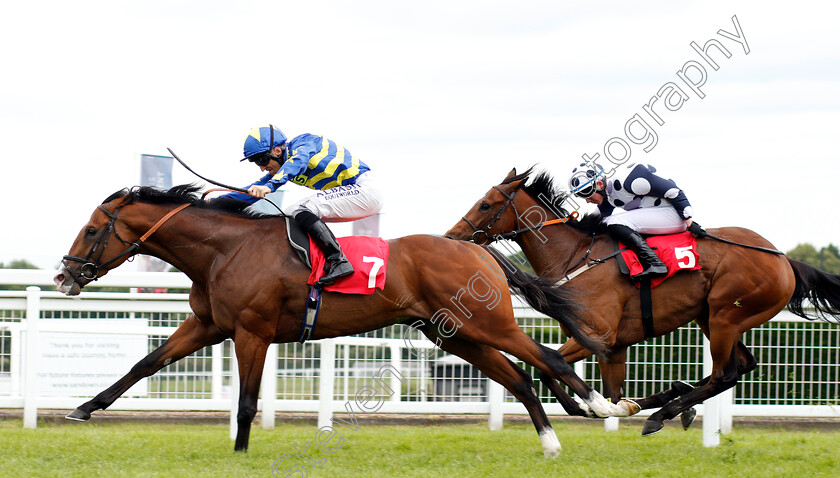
(369, 257)
(677, 251)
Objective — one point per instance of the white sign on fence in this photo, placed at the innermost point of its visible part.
(73, 364)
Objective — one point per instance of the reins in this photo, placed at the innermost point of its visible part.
(513, 234)
(757, 248)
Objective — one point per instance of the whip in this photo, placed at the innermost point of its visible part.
(221, 185)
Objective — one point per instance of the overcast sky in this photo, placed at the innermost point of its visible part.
(440, 98)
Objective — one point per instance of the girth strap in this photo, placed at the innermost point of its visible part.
(647, 308)
(313, 305)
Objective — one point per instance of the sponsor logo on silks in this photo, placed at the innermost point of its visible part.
(340, 191)
(331, 196)
(300, 179)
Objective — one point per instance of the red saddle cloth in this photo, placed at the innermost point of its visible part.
(369, 257)
(677, 251)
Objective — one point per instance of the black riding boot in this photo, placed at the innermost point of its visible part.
(653, 267)
(336, 265)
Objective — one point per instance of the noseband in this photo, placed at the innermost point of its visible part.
(90, 268)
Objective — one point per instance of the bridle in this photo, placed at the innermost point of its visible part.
(517, 230)
(477, 232)
(90, 268)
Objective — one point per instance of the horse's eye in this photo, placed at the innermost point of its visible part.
(484, 206)
(90, 232)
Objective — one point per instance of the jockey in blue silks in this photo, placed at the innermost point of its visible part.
(346, 189)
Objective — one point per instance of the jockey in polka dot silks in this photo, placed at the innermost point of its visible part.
(345, 187)
(653, 205)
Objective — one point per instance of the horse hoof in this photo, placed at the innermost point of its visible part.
(632, 407)
(78, 415)
(652, 427)
(687, 417)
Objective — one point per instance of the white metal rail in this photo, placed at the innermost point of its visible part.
(390, 371)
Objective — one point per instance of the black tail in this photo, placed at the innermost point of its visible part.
(554, 302)
(820, 288)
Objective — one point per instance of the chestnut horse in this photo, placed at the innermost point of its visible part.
(737, 288)
(248, 285)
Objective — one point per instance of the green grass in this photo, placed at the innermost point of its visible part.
(126, 450)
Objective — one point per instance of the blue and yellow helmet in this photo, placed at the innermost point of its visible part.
(262, 139)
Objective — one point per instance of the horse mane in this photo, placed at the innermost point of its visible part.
(543, 189)
(185, 194)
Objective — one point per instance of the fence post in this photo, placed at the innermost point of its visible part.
(711, 407)
(269, 387)
(216, 362)
(234, 391)
(496, 396)
(16, 357)
(326, 383)
(30, 384)
(727, 399)
(396, 363)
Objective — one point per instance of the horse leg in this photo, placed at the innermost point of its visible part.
(571, 352)
(576, 352)
(612, 373)
(515, 342)
(731, 359)
(566, 401)
(678, 388)
(745, 363)
(499, 369)
(250, 357)
(191, 335)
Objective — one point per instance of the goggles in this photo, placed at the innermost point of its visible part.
(261, 159)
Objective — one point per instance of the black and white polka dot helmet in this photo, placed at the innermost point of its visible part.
(583, 181)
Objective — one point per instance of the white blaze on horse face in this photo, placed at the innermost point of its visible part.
(550, 443)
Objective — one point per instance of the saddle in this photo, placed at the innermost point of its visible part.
(299, 240)
(369, 256)
(677, 251)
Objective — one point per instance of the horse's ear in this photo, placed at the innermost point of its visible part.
(517, 184)
(513, 185)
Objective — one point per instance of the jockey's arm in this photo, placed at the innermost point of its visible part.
(245, 197)
(663, 188)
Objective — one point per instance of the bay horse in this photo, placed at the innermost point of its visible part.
(737, 289)
(248, 285)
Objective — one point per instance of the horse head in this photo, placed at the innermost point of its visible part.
(493, 214)
(94, 253)
(101, 246)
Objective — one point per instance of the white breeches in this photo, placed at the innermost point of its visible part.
(344, 203)
(650, 220)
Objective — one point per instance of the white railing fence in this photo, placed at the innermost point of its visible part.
(56, 352)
